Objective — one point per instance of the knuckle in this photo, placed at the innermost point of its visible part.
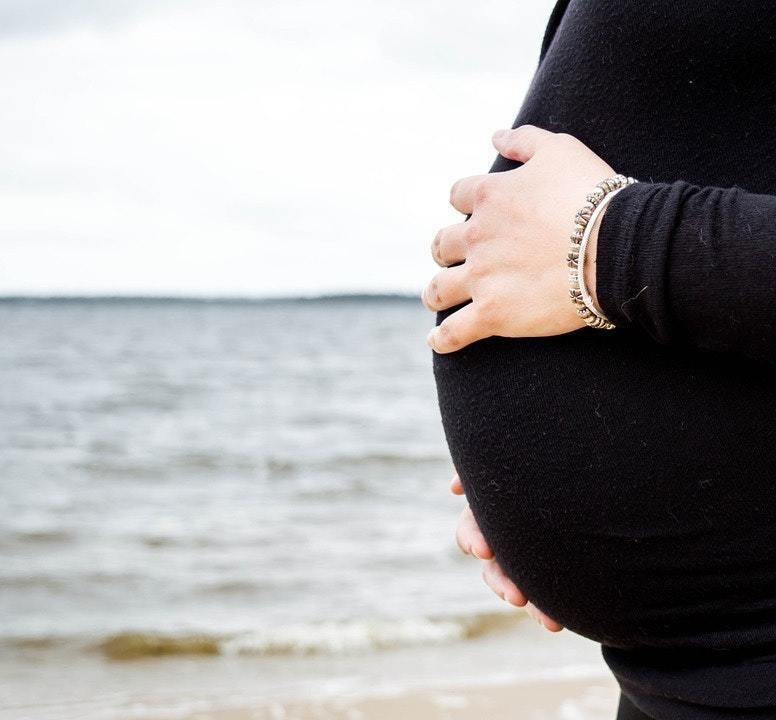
(483, 192)
(437, 244)
(424, 298)
(564, 139)
(488, 305)
(476, 269)
(515, 135)
(434, 294)
(446, 337)
(488, 311)
(430, 295)
(472, 233)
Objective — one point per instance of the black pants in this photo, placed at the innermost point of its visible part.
(626, 710)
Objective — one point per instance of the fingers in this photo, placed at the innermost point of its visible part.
(548, 622)
(449, 246)
(469, 537)
(497, 581)
(460, 329)
(472, 542)
(533, 612)
(456, 486)
(542, 618)
(469, 192)
(447, 288)
(521, 143)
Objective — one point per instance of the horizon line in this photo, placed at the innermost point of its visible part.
(66, 297)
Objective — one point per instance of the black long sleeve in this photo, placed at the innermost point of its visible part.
(691, 265)
(624, 478)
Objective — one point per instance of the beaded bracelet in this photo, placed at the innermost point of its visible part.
(584, 220)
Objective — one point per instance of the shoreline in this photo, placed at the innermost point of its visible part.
(521, 673)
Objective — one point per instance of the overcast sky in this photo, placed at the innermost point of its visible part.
(248, 147)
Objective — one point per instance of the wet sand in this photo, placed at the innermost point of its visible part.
(519, 673)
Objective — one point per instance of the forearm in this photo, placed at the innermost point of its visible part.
(690, 265)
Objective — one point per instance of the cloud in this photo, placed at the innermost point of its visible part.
(35, 16)
(258, 148)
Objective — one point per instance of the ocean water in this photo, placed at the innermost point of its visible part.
(262, 480)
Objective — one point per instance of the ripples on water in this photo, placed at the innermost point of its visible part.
(267, 474)
(237, 505)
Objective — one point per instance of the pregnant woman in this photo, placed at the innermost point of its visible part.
(625, 477)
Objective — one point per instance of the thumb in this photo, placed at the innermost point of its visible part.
(522, 142)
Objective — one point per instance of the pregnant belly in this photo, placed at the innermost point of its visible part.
(627, 489)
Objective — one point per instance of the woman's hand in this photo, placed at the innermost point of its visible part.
(514, 246)
(472, 542)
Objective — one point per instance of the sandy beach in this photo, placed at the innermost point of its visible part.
(564, 700)
(522, 673)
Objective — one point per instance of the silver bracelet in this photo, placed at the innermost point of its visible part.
(586, 297)
(584, 220)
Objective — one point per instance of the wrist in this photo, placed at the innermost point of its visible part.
(590, 259)
(581, 260)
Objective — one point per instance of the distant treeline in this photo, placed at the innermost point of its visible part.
(151, 299)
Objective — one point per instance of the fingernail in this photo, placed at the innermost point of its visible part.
(430, 339)
(499, 134)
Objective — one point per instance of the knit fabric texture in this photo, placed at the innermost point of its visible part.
(624, 478)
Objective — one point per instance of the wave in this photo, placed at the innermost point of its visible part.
(364, 635)
(135, 645)
(388, 459)
(43, 535)
(317, 638)
(72, 583)
(39, 536)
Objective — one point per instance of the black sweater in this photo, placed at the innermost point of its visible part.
(625, 479)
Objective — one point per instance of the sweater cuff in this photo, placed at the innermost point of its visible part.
(616, 251)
